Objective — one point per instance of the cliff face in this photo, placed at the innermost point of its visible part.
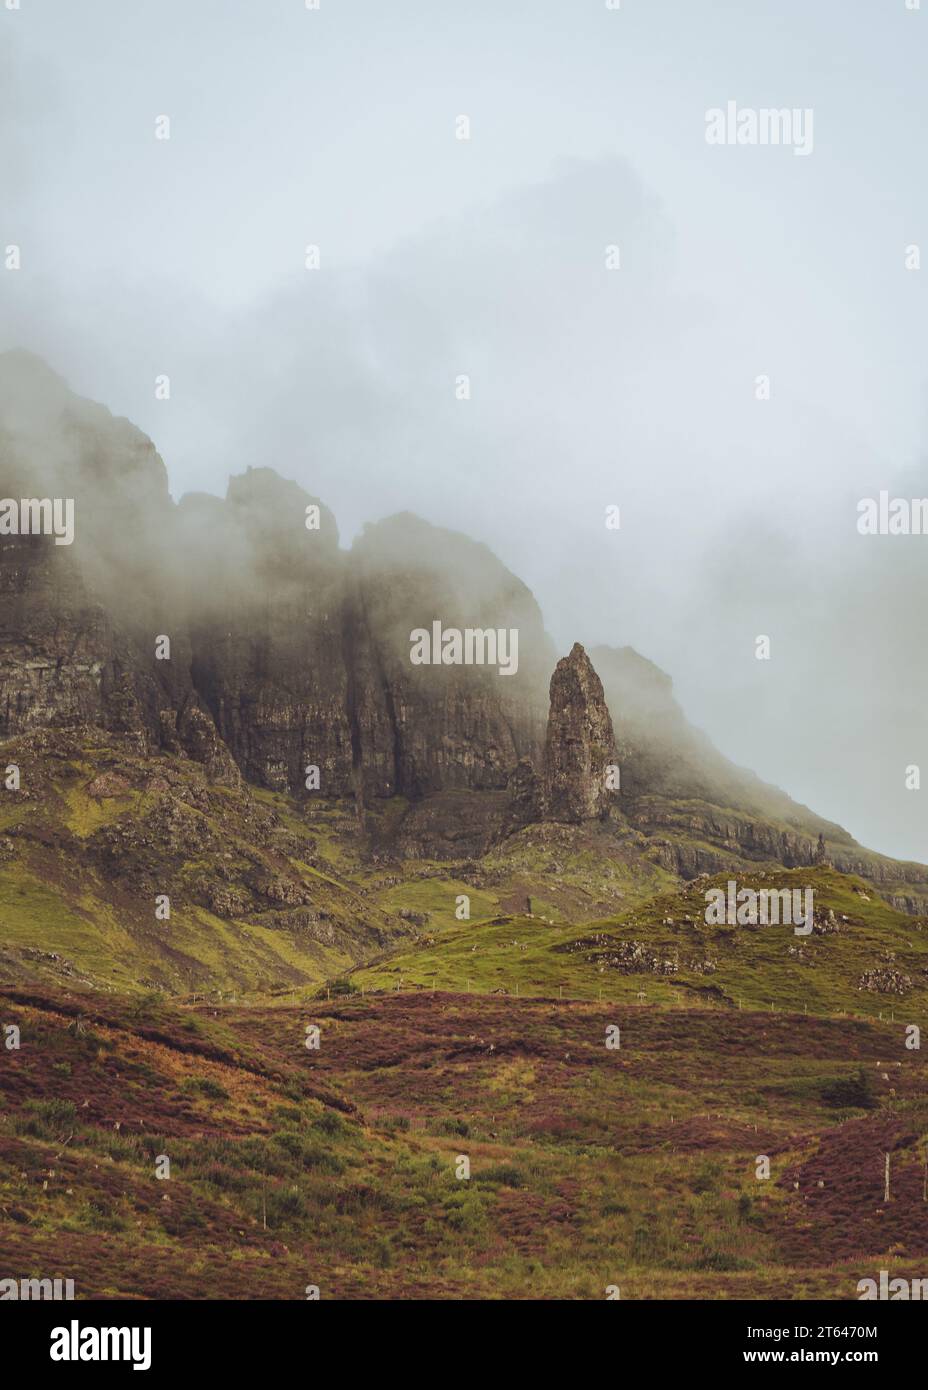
(302, 652)
(263, 604)
(299, 651)
(429, 727)
(233, 632)
(78, 622)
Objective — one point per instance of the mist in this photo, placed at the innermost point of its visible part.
(442, 259)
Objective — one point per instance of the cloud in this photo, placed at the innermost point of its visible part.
(588, 387)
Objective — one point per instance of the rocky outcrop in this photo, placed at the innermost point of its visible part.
(246, 608)
(237, 632)
(79, 622)
(264, 604)
(526, 797)
(580, 743)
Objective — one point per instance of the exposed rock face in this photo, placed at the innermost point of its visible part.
(199, 739)
(302, 651)
(580, 742)
(78, 622)
(526, 799)
(288, 653)
(424, 728)
(264, 602)
(299, 651)
(450, 825)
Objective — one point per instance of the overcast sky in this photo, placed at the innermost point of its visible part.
(487, 257)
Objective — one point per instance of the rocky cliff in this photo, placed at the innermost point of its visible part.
(246, 608)
(238, 632)
(79, 622)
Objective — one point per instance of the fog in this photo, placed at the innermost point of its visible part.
(487, 258)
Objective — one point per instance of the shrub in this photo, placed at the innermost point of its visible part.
(314, 1156)
(330, 1123)
(502, 1175)
(144, 1006)
(464, 1212)
(706, 1178)
(851, 1091)
(287, 1114)
(288, 1141)
(722, 1261)
(205, 1086)
(183, 1220)
(455, 1128)
(224, 1178)
(47, 1119)
(384, 1253)
(285, 1206)
(644, 1244)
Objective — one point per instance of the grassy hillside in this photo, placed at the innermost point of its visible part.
(341, 1167)
(860, 953)
(97, 834)
(488, 1039)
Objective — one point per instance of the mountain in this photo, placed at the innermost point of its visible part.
(234, 810)
(214, 701)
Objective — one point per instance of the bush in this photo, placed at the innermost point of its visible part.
(285, 1206)
(100, 1214)
(224, 1178)
(464, 1212)
(707, 1177)
(182, 1220)
(287, 1114)
(47, 1119)
(384, 1253)
(851, 1091)
(288, 1141)
(330, 1123)
(314, 1156)
(205, 1086)
(502, 1175)
(644, 1244)
(145, 1005)
(455, 1128)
